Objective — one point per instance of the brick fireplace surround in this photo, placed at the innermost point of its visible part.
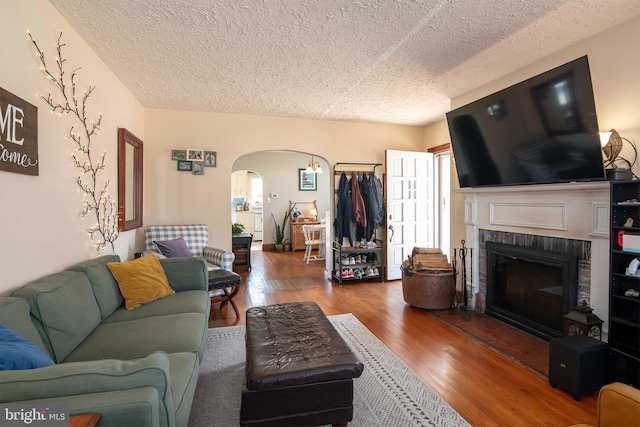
(574, 215)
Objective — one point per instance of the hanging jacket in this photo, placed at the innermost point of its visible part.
(359, 213)
(382, 207)
(344, 212)
(377, 202)
(365, 232)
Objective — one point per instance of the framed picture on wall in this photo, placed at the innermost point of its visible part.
(184, 165)
(198, 168)
(178, 154)
(306, 181)
(210, 159)
(195, 155)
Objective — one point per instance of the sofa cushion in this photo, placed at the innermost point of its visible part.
(20, 353)
(14, 313)
(137, 338)
(180, 302)
(102, 376)
(64, 310)
(184, 378)
(141, 281)
(173, 248)
(103, 283)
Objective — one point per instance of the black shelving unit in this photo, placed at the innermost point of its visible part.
(624, 309)
(364, 259)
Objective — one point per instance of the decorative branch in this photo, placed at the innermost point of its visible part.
(97, 201)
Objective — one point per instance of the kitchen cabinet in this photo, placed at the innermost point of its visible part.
(247, 219)
(240, 186)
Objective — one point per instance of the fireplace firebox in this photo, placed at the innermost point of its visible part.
(530, 288)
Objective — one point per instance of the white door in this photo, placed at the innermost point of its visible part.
(443, 186)
(410, 206)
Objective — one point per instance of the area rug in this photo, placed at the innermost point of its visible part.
(387, 393)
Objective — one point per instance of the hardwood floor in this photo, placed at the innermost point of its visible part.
(486, 387)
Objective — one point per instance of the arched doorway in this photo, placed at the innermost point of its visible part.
(280, 173)
(246, 202)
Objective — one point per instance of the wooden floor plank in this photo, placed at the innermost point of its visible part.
(485, 386)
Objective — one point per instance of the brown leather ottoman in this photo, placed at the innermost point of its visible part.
(299, 369)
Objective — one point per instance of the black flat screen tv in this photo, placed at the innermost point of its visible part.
(542, 130)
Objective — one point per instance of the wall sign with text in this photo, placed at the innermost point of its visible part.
(18, 135)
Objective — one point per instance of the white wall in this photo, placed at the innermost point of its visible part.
(172, 196)
(41, 230)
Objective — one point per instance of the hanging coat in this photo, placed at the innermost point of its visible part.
(377, 202)
(382, 207)
(365, 232)
(359, 212)
(344, 212)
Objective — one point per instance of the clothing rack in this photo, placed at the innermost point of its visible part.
(371, 166)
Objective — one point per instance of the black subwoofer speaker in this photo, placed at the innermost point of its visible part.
(578, 364)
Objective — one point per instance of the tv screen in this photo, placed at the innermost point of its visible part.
(542, 130)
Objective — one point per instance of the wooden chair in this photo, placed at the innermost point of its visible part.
(314, 235)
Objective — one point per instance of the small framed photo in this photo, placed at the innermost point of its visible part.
(198, 168)
(178, 154)
(184, 165)
(195, 155)
(306, 181)
(210, 159)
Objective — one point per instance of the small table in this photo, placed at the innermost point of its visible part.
(228, 283)
(242, 241)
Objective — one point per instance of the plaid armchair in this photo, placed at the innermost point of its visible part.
(197, 238)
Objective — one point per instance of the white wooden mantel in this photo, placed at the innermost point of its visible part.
(577, 210)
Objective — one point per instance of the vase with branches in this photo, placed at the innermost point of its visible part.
(98, 201)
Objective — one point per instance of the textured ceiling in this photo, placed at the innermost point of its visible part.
(392, 61)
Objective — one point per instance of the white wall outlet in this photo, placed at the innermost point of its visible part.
(274, 195)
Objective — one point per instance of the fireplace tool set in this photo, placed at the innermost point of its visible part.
(462, 252)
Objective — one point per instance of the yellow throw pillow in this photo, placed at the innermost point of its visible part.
(141, 281)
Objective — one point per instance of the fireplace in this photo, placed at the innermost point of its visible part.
(530, 288)
(568, 218)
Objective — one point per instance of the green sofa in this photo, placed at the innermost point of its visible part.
(135, 367)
